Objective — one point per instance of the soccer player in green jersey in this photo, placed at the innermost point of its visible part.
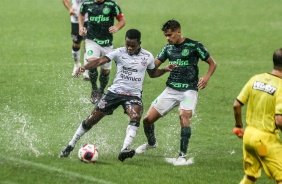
(99, 36)
(262, 146)
(181, 87)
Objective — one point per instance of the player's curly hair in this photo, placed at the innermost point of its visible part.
(172, 25)
(277, 59)
(133, 34)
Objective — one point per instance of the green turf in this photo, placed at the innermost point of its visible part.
(41, 105)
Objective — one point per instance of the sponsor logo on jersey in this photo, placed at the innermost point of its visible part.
(264, 87)
(98, 19)
(179, 85)
(102, 42)
(126, 72)
(179, 62)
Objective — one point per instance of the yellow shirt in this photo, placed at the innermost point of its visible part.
(263, 93)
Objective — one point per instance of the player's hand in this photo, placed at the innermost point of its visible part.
(202, 83)
(113, 29)
(82, 31)
(239, 132)
(79, 71)
(169, 67)
(72, 11)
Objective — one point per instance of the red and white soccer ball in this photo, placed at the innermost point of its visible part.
(88, 153)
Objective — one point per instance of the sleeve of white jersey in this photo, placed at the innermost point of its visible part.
(151, 63)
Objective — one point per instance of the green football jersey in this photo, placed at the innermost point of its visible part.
(100, 17)
(186, 55)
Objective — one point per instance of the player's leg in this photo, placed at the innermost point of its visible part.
(160, 106)
(149, 127)
(105, 71)
(251, 159)
(187, 107)
(185, 133)
(188, 101)
(76, 38)
(86, 125)
(86, 72)
(111, 102)
(272, 161)
(93, 50)
(104, 78)
(134, 111)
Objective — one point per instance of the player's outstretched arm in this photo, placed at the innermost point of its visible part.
(156, 72)
(159, 72)
(91, 64)
(94, 62)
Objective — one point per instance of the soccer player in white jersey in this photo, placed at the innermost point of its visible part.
(132, 62)
(76, 38)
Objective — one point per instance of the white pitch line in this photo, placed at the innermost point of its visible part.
(69, 173)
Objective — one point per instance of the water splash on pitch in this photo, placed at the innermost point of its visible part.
(18, 132)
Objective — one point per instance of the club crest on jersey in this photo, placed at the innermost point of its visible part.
(106, 10)
(144, 61)
(185, 52)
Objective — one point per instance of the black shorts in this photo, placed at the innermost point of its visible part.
(76, 38)
(110, 101)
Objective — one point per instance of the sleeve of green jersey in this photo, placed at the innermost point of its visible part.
(203, 52)
(82, 9)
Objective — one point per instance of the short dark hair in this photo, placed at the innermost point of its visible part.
(172, 25)
(277, 59)
(133, 34)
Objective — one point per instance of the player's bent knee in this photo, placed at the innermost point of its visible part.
(134, 123)
(86, 125)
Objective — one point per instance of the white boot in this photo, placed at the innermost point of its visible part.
(86, 75)
(76, 66)
(76, 58)
(86, 72)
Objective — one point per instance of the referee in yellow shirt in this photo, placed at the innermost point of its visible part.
(262, 146)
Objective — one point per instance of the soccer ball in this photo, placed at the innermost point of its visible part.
(88, 153)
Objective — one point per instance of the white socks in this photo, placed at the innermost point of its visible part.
(79, 133)
(76, 57)
(131, 132)
(86, 72)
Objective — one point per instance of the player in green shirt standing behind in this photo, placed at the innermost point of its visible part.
(182, 86)
(99, 37)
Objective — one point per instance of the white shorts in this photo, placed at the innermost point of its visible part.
(93, 50)
(170, 98)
